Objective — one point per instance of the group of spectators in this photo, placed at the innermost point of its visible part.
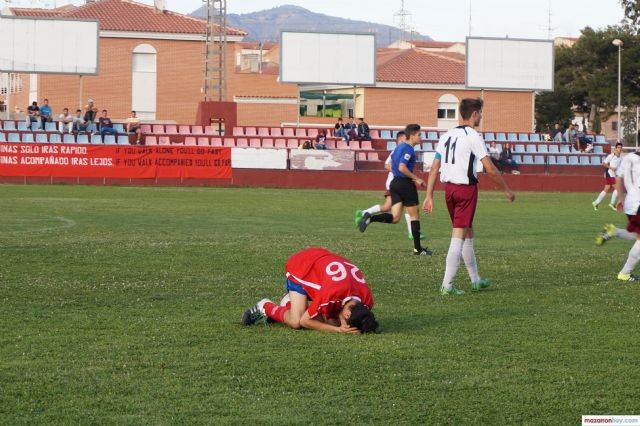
(503, 158)
(85, 120)
(573, 137)
(351, 130)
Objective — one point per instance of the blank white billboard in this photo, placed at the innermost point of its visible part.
(498, 63)
(328, 58)
(40, 45)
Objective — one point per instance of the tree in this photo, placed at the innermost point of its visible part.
(586, 75)
(631, 12)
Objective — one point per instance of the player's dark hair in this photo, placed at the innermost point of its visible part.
(469, 105)
(411, 129)
(400, 133)
(619, 144)
(362, 318)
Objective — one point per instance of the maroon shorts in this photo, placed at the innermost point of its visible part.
(610, 180)
(633, 223)
(461, 203)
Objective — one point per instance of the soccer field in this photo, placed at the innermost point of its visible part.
(122, 306)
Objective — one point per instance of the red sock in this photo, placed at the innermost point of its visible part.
(276, 312)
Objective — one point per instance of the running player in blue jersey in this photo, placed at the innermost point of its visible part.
(403, 190)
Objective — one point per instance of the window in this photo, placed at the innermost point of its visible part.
(144, 81)
(447, 107)
(614, 125)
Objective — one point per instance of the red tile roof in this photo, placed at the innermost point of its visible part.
(426, 44)
(128, 15)
(418, 67)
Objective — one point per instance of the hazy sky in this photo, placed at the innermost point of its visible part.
(440, 19)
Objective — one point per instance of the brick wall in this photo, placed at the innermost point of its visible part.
(503, 111)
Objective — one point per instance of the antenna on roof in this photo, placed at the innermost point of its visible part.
(160, 5)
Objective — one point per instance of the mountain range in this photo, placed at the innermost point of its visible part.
(266, 25)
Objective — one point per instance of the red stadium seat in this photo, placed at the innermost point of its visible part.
(190, 141)
(203, 141)
(288, 131)
(254, 143)
(267, 143)
(197, 130)
(150, 140)
(216, 142)
(342, 145)
(158, 129)
(184, 130)
(263, 131)
(281, 143)
(312, 133)
(145, 128)
(250, 131)
(276, 131)
(366, 145)
(238, 131)
(242, 142)
(209, 130)
(171, 129)
(301, 132)
(292, 143)
(229, 142)
(164, 140)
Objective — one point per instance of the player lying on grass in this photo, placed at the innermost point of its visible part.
(325, 292)
(627, 178)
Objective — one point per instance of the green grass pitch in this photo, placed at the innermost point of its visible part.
(122, 306)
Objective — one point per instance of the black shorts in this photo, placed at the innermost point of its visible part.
(404, 191)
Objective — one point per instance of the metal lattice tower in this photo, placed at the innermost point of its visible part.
(403, 23)
(215, 75)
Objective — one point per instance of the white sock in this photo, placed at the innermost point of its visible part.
(407, 218)
(614, 197)
(625, 235)
(373, 209)
(469, 257)
(453, 262)
(632, 260)
(600, 197)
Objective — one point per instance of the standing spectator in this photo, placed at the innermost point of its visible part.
(33, 115)
(46, 113)
(339, 130)
(65, 121)
(363, 130)
(90, 114)
(610, 164)
(105, 125)
(456, 163)
(133, 126)
(79, 125)
(507, 161)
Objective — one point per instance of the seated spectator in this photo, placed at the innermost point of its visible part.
(79, 125)
(494, 154)
(33, 115)
(306, 145)
(583, 143)
(570, 136)
(133, 126)
(352, 130)
(363, 130)
(46, 113)
(90, 113)
(320, 142)
(556, 135)
(105, 125)
(65, 121)
(507, 161)
(339, 130)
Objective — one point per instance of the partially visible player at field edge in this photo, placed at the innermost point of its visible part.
(403, 190)
(340, 299)
(456, 158)
(610, 164)
(386, 207)
(627, 178)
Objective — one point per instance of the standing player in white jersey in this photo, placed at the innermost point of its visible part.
(386, 207)
(628, 187)
(611, 164)
(456, 156)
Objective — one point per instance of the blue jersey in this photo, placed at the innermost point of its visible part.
(404, 153)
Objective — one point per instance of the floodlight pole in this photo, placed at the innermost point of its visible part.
(619, 43)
